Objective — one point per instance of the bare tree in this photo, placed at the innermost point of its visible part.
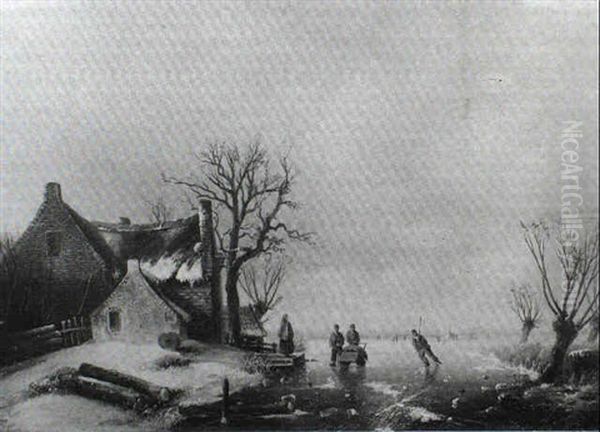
(254, 198)
(262, 286)
(25, 301)
(527, 307)
(159, 211)
(594, 327)
(9, 275)
(577, 302)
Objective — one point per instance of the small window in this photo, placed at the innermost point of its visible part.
(53, 243)
(114, 321)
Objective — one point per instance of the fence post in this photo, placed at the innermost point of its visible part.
(225, 406)
(79, 330)
(63, 327)
(73, 331)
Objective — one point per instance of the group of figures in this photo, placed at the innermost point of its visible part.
(338, 349)
(336, 343)
(347, 349)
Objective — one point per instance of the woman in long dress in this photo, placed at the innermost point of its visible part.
(286, 336)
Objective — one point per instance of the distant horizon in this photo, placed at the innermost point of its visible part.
(417, 152)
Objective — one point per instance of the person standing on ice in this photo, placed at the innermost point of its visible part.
(336, 343)
(423, 348)
(286, 336)
(352, 336)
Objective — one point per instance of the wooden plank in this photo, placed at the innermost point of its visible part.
(37, 338)
(72, 334)
(78, 332)
(73, 330)
(32, 332)
(63, 327)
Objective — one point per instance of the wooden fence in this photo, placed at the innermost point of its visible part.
(257, 344)
(41, 340)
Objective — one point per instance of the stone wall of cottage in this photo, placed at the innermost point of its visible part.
(143, 315)
(66, 274)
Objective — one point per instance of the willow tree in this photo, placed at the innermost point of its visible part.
(574, 300)
(261, 283)
(525, 304)
(252, 193)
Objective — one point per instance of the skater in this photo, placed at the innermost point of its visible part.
(423, 349)
(336, 342)
(286, 336)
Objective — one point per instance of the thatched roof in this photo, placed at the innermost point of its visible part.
(94, 238)
(170, 251)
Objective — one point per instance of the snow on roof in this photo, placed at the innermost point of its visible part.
(190, 272)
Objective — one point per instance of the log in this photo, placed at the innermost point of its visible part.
(107, 393)
(152, 391)
(34, 344)
(31, 348)
(31, 333)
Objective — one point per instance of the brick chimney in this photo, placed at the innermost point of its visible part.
(52, 192)
(207, 235)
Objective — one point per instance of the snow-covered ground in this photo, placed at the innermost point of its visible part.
(201, 381)
(469, 380)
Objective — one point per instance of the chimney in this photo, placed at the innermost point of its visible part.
(207, 235)
(53, 192)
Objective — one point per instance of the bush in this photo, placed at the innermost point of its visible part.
(254, 363)
(171, 360)
(532, 355)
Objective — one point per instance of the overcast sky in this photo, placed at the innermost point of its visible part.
(422, 131)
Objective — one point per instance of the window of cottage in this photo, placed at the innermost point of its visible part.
(53, 243)
(114, 321)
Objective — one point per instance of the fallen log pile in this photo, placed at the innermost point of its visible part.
(107, 385)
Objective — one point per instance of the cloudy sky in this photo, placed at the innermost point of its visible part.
(422, 132)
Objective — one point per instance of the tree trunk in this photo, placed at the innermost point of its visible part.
(593, 334)
(233, 305)
(566, 332)
(525, 331)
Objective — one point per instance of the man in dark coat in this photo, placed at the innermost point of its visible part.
(336, 342)
(352, 336)
(423, 348)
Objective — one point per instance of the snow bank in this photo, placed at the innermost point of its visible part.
(489, 362)
(201, 382)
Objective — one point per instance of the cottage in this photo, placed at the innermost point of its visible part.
(100, 267)
(67, 267)
(178, 260)
(135, 310)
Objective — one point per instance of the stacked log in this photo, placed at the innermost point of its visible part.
(154, 392)
(112, 394)
(107, 385)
